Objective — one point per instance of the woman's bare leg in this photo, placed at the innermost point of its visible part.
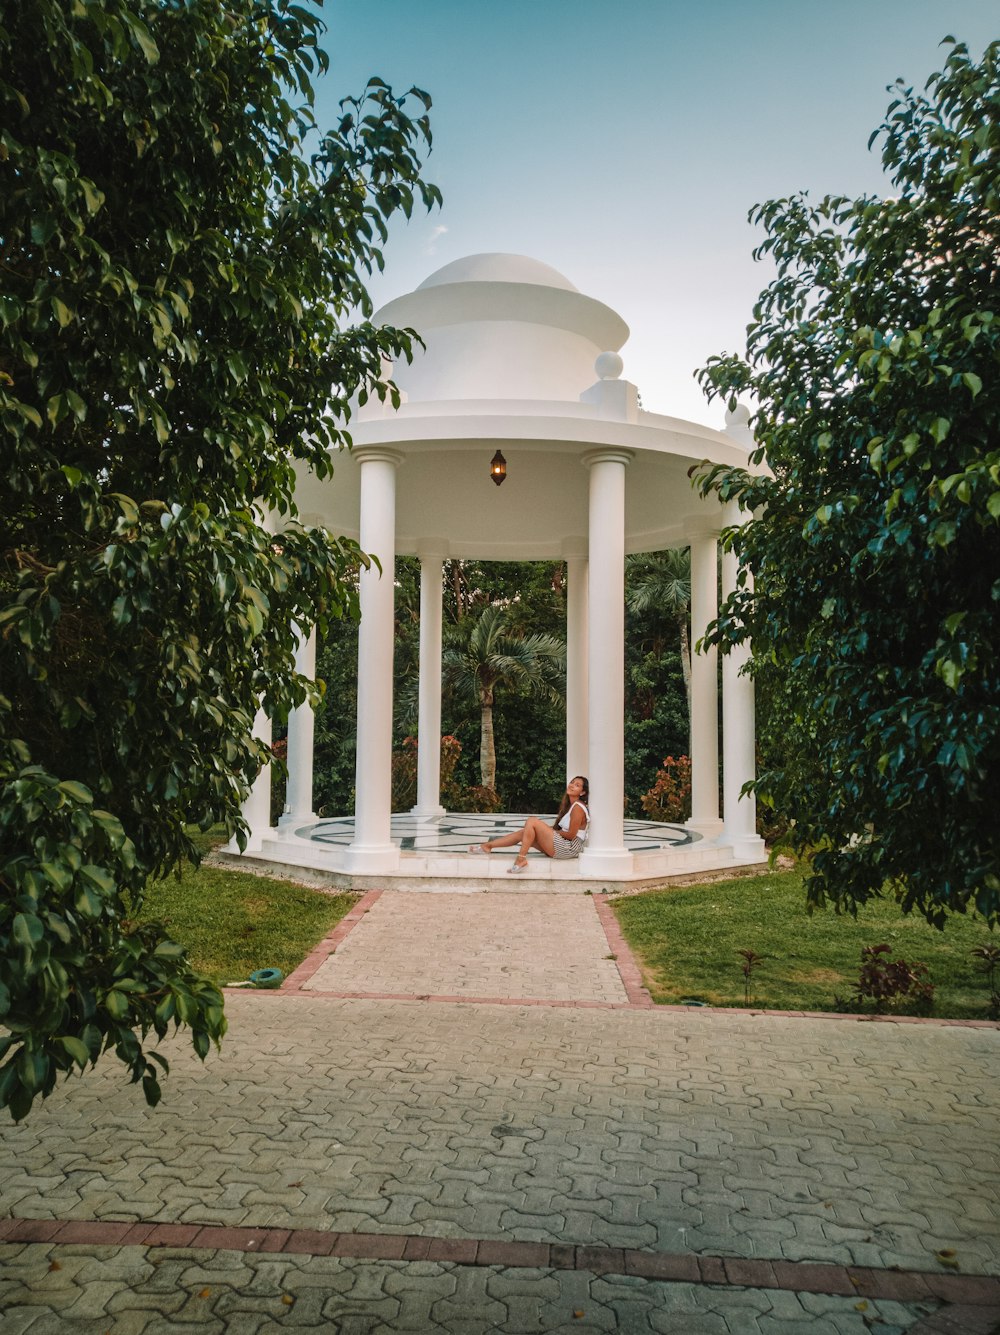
(538, 834)
(504, 841)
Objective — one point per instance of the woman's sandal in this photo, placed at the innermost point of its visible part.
(516, 867)
(479, 848)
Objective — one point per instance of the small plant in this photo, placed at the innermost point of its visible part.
(669, 799)
(988, 962)
(883, 980)
(750, 961)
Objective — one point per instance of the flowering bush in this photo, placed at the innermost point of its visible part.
(669, 799)
(454, 796)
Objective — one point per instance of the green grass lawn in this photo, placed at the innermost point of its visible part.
(687, 940)
(233, 923)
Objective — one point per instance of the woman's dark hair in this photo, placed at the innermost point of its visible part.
(565, 804)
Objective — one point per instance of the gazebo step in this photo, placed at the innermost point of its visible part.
(325, 865)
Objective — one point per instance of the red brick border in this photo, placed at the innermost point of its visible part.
(980, 1292)
(628, 965)
(321, 953)
(654, 1008)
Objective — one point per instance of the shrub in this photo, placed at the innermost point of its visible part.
(882, 981)
(669, 799)
(455, 796)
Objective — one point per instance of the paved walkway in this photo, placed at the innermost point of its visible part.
(372, 1163)
(497, 946)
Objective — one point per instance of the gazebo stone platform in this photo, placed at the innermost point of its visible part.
(434, 856)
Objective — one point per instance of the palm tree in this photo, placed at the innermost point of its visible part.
(484, 653)
(661, 582)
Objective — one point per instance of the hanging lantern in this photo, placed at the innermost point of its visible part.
(498, 468)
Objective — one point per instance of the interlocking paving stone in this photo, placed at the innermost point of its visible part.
(747, 1138)
(144, 1290)
(536, 1124)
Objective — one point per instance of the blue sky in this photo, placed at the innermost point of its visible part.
(624, 143)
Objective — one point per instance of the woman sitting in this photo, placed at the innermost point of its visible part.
(564, 838)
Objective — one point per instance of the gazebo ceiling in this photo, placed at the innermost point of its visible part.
(509, 363)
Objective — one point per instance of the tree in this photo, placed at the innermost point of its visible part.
(873, 542)
(483, 654)
(660, 583)
(177, 280)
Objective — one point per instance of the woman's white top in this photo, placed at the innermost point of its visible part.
(582, 831)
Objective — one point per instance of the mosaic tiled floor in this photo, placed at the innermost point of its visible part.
(454, 832)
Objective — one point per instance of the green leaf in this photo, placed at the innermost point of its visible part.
(75, 1048)
(143, 36)
(78, 792)
(27, 931)
(972, 382)
(169, 950)
(94, 197)
(116, 1005)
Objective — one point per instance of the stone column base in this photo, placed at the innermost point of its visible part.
(708, 829)
(750, 848)
(428, 813)
(374, 860)
(612, 863)
(290, 819)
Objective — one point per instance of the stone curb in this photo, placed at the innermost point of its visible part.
(980, 1293)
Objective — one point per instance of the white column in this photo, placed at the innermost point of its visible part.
(738, 730)
(299, 759)
(605, 854)
(704, 688)
(372, 849)
(257, 806)
(577, 674)
(429, 706)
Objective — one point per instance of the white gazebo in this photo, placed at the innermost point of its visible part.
(518, 360)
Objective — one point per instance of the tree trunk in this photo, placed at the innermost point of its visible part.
(456, 584)
(682, 627)
(487, 753)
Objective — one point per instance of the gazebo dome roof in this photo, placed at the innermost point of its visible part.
(516, 359)
(501, 327)
(498, 267)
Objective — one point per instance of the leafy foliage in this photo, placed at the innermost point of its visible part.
(529, 733)
(484, 654)
(176, 280)
(874, 539)
(669, 798)
(658, 584)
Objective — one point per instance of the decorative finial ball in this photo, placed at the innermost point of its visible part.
(738, 416)
(609, 366)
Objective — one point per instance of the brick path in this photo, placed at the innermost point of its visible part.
(363, 1164)
(547, 947)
